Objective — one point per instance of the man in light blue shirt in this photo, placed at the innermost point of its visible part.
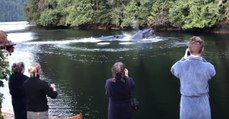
(194, 72)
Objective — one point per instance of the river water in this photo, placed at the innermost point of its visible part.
(79, 65)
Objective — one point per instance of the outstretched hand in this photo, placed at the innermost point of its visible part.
(53, 87)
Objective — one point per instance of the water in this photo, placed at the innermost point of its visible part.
(79, 64)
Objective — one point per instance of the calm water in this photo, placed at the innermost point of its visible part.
(79, 64)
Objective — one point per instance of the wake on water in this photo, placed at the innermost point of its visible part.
(15, 35)
(124, 41)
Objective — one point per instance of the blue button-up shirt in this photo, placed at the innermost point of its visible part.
(194, 74)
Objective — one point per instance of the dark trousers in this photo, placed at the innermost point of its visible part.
(19, 107)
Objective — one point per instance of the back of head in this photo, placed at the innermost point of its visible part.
(18, 67)
(195, 45)
(118, 70)
(35, 70)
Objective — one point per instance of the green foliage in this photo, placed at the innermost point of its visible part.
(226, 15)
(185, 14)
(188, 14)
(49, 17)
(46, 12)
(224, 10)
(136, 13)
(159, 12)
(144, 12)
(80, 13)
(31, 11)
(130, 13)
(4, 71)
(116, 8)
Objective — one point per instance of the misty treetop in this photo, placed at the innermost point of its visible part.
(182, 14)
(11, 10)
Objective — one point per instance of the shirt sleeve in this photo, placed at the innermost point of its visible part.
(107, 88)
(49, 91)
(10, 84)
(132, 85)
(176, 68)
(212, 71)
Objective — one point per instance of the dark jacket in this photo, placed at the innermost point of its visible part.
(16, 81)
(119, 94)
(36, 91)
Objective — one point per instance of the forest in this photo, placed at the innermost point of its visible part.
(124, 14)
(11, 10)
(118, 14)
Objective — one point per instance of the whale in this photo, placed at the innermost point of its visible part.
(137, 36)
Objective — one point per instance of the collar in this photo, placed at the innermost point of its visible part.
(196, 58)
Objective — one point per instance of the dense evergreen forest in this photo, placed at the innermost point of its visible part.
(118, 14)
(11, 10)
(122, 14)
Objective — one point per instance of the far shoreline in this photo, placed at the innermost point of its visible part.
(222, 28)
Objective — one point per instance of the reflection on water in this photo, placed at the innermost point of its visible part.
(79, 63)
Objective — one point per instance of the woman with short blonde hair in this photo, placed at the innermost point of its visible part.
(36, 91)
(35, 70)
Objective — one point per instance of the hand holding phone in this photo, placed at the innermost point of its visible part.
(126, 72)
(53, 87)
(187, 53)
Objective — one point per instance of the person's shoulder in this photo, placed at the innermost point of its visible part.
(129, 79)
(11, 76)
(24, 77)
(207, 62)
(44, 81)
(37, 80)
(109, 80)
(181, 61)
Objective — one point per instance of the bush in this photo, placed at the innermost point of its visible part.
(4, 71)
(3, 75)
(188, 14)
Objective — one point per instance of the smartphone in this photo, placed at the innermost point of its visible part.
(188, 53)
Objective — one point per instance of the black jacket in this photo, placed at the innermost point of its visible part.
(16, 81)
(35, 92)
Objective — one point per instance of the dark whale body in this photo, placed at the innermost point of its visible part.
(139, 35)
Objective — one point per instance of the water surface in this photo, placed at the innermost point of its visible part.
(79, 64)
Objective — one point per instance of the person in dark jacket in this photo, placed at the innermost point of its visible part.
(36, 91)
(16, 81)
(119, 89)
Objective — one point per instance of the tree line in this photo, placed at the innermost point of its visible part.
(122, 14)
(11, 10)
